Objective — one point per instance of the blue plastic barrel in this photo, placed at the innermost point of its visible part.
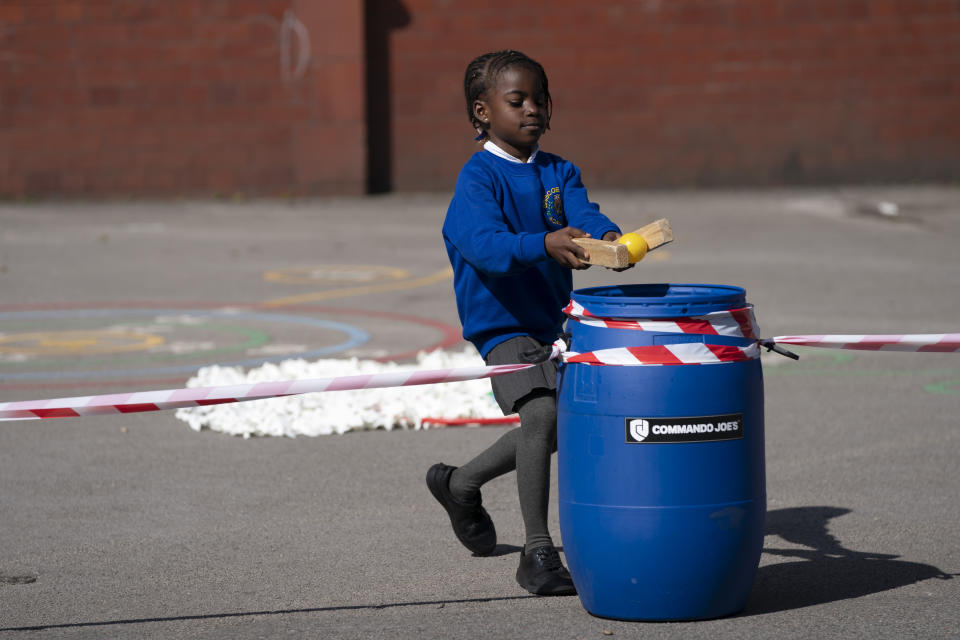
(660, 527)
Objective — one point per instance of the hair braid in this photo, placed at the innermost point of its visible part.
(482, 73)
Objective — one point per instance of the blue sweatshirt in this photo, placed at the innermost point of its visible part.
(506, 284)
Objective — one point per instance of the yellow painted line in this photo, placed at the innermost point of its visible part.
(47, 343)
(340, 273)
(439, 276)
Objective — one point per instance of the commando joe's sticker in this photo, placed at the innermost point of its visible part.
(675, 430)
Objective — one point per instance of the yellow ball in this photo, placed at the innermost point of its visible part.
(636, 245)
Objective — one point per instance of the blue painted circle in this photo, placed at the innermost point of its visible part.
(355, 338)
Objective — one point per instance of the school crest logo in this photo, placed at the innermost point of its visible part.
(553, 207)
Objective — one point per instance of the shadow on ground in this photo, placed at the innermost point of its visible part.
(273, 612)
(826, 571)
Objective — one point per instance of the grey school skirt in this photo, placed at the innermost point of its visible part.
(509, 388)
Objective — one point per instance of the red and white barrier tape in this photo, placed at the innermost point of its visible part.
(737, 323)
(203, 396)
(926, 342)
(741, 323)
(669, 354)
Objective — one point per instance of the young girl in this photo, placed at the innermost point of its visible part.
(508, 233)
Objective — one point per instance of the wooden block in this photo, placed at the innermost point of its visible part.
(606, 254)
(614, 255)
(657, 233)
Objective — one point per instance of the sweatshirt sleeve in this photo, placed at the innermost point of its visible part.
(581, 213)
(477, 227)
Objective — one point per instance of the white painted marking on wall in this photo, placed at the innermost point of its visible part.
(293, 64)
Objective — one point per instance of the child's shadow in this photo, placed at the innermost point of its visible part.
(507, 549)
(827, 571)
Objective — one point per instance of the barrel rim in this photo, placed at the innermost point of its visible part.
(661, 299)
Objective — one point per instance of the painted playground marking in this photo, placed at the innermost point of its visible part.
(72, 343)
(355, 338)
(339, 273)
(22, 349)
(946, 387)
(449, 336)
(439, 276)
(842, 364)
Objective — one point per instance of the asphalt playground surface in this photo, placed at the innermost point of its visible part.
(135, 526)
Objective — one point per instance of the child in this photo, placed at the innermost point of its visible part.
(508, 233)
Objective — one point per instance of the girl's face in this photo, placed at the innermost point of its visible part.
(515, 110)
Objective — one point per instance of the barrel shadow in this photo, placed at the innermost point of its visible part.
(827, 571)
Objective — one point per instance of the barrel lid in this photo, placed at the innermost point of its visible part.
(660, 300)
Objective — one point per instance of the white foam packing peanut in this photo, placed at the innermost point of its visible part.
(315, 414)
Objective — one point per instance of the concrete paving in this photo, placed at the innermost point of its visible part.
(135, 526)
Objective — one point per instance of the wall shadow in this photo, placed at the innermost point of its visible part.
(381, 17)
(827, 571)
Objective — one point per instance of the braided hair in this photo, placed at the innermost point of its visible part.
(482, 74)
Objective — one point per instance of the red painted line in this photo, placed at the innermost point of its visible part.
(451, 334)
(454, 422)
(134, 304)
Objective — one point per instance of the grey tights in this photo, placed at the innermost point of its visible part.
(527, 449)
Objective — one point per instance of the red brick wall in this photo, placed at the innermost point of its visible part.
(169, 97)
(107, 97)
(697, 92)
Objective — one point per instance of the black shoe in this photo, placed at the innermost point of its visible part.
(541, 572)
(470, 520)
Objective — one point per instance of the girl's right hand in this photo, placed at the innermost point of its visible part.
(561, 247)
